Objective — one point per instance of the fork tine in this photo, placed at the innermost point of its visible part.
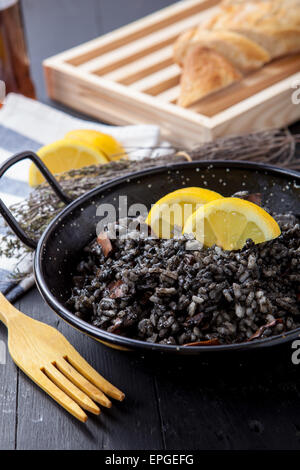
(84, 368)
(82, 383)
(70, 389)
(59, 396)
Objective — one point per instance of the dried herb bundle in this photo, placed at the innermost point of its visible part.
(273, 147)
(34, 213)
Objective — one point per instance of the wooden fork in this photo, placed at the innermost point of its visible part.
(45, 355)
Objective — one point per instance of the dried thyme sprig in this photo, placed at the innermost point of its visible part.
(274, 147)
(42, 205)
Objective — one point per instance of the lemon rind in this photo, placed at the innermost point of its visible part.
(251, 211)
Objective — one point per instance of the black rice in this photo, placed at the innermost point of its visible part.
(173, 292)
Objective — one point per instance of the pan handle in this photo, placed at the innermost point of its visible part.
(5, 212)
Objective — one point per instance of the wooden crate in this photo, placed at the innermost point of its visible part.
(129, 77)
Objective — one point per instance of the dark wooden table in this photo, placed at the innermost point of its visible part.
(222, 402)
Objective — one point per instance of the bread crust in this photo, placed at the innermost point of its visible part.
(245, 34)
(205, 71)
(242, 52)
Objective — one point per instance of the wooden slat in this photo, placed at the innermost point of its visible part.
(138, 29)
(158, 82)
(170, 95)
(124, 55)
(108, 101)
(95, 83)
(143, 67)
(114, 102)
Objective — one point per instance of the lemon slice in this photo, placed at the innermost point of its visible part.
(64, 155)
(229, 222)
(170, 213)
(112, 149)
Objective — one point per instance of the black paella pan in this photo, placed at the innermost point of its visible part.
(59, 249)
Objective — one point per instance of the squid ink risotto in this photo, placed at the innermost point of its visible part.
(174, 291)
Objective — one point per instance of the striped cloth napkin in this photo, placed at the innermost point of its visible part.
(26, 124)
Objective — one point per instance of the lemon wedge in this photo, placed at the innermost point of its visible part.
(170, 213)
(107, 144)
(229, 222)
(64, 155)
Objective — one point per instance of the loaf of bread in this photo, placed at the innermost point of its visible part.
(241, 37)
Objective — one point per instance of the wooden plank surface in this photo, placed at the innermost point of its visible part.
(8, 396)
(132, 424)
(232, 402)
(246, 401)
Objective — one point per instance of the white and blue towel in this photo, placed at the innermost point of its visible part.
(26, 124)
